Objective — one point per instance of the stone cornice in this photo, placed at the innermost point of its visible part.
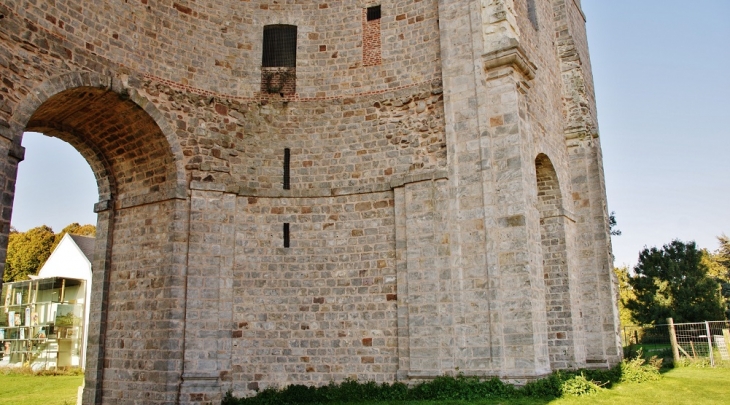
(514, 56)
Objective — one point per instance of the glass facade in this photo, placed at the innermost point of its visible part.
(42, 323)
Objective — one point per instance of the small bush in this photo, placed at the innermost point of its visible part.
(636, 370)
(560, 383)
(578, 385)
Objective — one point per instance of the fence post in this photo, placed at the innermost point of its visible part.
(709, 343)
(673, 339)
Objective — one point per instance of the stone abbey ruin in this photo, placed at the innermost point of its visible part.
(301, 191)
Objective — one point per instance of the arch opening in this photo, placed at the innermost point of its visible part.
(560, 299)
(138, 282)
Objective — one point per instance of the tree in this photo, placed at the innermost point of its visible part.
(718, 263)
(625, 293)
(674, 282)
(612, 224)
(723, 253)
(74, 229)
(27, 251)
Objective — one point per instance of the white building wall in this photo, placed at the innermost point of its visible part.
(68, 261)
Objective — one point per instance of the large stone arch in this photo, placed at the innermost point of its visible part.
(138, 284)
(26, 116)
(565, 346)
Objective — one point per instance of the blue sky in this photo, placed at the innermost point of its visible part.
(663, 93)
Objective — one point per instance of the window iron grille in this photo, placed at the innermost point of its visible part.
(280, 46)
(373, 13)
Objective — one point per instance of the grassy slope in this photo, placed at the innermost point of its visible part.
(36, 390)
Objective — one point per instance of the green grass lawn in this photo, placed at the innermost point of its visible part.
(18, 389)
(679, 386)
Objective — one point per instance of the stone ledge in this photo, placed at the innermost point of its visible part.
(395, 182)
(436, 174)
(561, 212)
(16, 151)
(151, 198)
(512, 55)
(102, 206)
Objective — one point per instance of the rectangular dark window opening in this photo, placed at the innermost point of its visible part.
(373, 13)
(280, 46)
(286, 234)
(532, 13)
(287, 160)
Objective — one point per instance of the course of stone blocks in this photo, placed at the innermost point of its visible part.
(443, 212)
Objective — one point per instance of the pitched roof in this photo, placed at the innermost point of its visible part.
(86, 244)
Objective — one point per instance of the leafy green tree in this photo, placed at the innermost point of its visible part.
(27, 251)
(674, 282)
(723, 253)
(718, 263)
(625, 293)
(612, 224)
(74, 229)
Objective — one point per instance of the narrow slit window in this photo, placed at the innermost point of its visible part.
(280, 46)
(287, 161)
(532, 13)
(286, 234)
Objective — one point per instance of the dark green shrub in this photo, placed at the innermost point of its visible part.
(548, 387)
(557, 384)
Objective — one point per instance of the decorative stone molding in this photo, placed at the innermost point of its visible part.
(514, 56)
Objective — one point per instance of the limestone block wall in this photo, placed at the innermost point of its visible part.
(217, 45)
(145, 315)
(345, 144)
(323, 309)
(445, 208)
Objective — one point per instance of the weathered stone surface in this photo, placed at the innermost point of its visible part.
(446, 208)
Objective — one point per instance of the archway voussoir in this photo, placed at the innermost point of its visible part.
(89, 79)
(72, 80)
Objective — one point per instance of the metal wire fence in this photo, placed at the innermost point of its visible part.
(683, 342)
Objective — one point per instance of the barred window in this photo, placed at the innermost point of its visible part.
(280, 46)
(373, 13)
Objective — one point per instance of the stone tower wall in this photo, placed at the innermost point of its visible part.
(423, 233)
